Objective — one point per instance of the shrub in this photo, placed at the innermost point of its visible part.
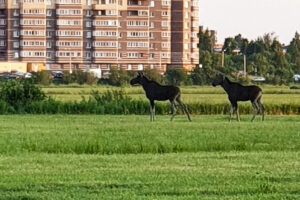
(80, 76)
(91, 79)
(118, 77)
(42, 77)
(67, 78)
(18, 93)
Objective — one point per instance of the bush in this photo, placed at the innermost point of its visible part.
(18, 93)
(118, 77)
(80, 76)
(91, 79)
(42, 77)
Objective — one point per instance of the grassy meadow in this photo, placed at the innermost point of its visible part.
(90, 156)
(190, 94)
(127, 157)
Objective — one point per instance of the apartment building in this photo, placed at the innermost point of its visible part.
(85, 34)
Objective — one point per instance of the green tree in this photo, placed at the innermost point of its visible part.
(118, 77)
(242, 43)
(293, 52)
(154, 75)
(282, 67)
(176, 76)
(229, 45)
(206, 42)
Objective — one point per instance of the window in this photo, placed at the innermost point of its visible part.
(49, 13)
(49, 45)
(16, 44)
(166, 34)
(166, 45)
(16, 13)
(140, 67)
(186, 16)
(186, 4)
(88, 13)
(16, 34)
(129, 67)
(152, 35)
(88, 34)
(166, 2)
(2, 22)
(165, 13)
(49, 34)
(16, 23)
(2, 32)
(2, 43)
(137, 23)
(88, 24)
(152, 3)
(48, 54)
(165, 23)
(88, 54)
(16, 55)
(186, 46)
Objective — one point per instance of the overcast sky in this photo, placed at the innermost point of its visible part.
(251, 18)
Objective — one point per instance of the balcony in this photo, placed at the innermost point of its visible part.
(2, 5)
(110, 5)
(136, 3)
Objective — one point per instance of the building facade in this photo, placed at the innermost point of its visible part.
(85, 34)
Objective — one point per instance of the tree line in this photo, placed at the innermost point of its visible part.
(265, 57)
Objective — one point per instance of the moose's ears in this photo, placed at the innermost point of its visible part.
(141, 73)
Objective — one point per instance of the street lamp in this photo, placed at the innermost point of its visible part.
(70, 62)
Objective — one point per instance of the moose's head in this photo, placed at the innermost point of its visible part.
(138, 79)
(218, 80)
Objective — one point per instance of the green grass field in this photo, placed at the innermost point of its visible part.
(190, 94)
(127, 157)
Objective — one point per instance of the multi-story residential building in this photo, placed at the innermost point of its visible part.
(83, 34)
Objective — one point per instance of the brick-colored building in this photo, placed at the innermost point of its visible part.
(83, 34)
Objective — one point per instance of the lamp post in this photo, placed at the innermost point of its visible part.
(70, 62)
(222, 58)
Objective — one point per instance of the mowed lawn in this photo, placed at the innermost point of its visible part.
(127, 157)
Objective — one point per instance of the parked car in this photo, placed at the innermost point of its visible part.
(27, 75)
(297, 77)
(258, 79)
(8, 76)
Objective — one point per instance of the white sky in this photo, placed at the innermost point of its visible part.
(251, 18)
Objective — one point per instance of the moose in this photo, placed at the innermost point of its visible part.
(155, 91)
(237, 92)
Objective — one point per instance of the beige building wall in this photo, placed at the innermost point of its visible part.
(83, 34)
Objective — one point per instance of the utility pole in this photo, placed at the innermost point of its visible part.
(245, 72)
(222, 58)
